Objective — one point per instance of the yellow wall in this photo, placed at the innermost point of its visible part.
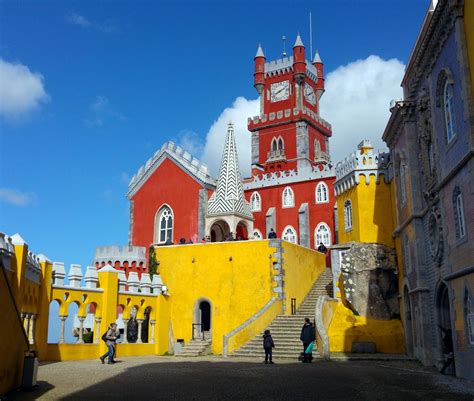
(302, 266)
(346, 328)
(237, 278)
(469, 29)
(372, 217)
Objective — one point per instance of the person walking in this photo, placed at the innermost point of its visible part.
(307, 336)
(322, 248)
(110, 338)
(268, 346)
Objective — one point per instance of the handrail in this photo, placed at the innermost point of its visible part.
(260, 312)
(199, 325)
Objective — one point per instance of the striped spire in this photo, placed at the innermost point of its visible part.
(229, 195)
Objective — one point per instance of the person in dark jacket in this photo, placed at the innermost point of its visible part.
(307, 336)
(268, 346)
(272, 234)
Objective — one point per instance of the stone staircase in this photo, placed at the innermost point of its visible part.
(196, 347)
(286, 329)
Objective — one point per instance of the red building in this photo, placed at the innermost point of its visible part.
(291, 185)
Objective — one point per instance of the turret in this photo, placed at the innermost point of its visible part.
(299, 60)
(259, 74)
(318, 64)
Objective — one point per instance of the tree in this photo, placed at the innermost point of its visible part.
(152, 263)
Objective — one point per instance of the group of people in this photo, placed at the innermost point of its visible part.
(308, 337)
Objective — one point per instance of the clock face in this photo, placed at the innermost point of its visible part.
(309, 94)
(279, 91)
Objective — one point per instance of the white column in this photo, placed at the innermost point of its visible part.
(27, 328)
(63, 324)
(139, 339)
(152, 332)
(125, 326)
(81, 328)
(97, 330)
(31, 336)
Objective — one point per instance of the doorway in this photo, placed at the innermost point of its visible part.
(205, 315)
(446, 345)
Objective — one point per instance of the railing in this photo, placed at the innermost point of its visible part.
(293, 306)
(199, 330)
(278, 154)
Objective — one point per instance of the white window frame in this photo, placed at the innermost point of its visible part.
(285, 237)
(348, 215)
(258, 232)
(448, 110)
(322, 193)
(291, 198)
(255, 202)
(318, 238)
(460, 216)
(161, 210)
(469, 316)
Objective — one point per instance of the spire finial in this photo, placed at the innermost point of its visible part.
(259, 51)
(298, 41)
(317, 58)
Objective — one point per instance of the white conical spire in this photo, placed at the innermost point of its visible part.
(298, 41)
(317, 58)
(259, 51)
(229, 195)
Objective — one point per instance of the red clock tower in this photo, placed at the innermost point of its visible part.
(291, 185)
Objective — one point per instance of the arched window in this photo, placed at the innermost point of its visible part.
(257, 234)
(288, 197)
(403, 190)
(458, 207)
(322, 193)
(406, 254)
(289, 234)
(322, 234)
(469, 316)
(348, 215)
(448, 106)
(317, 149)
(164, 225)
(274, 145)
(281, 145)
(256, 202)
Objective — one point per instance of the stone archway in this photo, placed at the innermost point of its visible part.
(219, 231)
(241, 231)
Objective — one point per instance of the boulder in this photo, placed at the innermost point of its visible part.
(369, 282)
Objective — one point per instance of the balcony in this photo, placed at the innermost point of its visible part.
(276, 155)
(322, 157)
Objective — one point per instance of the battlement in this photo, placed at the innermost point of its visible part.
(122, 254)
(256, 122)
(364, 162)
(289, 177)
(193, 165)
(285, 65)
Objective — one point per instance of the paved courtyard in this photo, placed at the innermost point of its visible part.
(213, 378)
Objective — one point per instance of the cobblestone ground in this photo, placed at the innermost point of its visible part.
(212, 378)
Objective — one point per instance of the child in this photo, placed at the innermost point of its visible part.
(268, 345)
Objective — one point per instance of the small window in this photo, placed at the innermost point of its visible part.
(348, 215)
(257, 234)
(281, 145)
(322, 234)
(256, 202)
(403, 190)
(164, 225)
(317, 149)
(469, 316)
(322, 193)
(274, 145)
(458, 207)
(448, 105)
(406, 254)
(288, 198)
(289, 234)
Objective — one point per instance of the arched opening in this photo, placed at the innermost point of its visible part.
(71, 333)
(219, 231)
(205, 315)
(408, 322)
(132, 326)
(444, 323)
(54, 323)
(241, 232)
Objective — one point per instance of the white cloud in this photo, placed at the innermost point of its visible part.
(21, 91)
(83, 22)
(191, 142)
(356, 102)
(78, 19)
(238, 113)
(100, 110)
(16, 198)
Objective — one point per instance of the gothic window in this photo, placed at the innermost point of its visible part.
(164, 225)
(469, 316)
(448, 106)
(274, 145)
(406, 254)
(288, 198)
(289, 234)
(322, 193)
(403, 189)
(256, 202)
(348, 215)
(281, 145)
(322, 234)
(458, 207)
(317, 149)
(257, 234)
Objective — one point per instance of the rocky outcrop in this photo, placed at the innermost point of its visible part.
(369, 282)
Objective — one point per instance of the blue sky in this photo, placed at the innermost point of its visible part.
(106, 83)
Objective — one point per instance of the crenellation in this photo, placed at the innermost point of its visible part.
(91, 277)
(75, 276)
(59, 273)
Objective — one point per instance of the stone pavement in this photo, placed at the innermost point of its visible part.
(215, 378)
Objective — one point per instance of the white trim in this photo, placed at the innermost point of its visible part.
(460, 216)
(255, 200)
(348, 217)
(324, 198)
(294, 233)
(286, 205)
(321, 238)
(157, 224)
(448, 110)
(258, 232)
